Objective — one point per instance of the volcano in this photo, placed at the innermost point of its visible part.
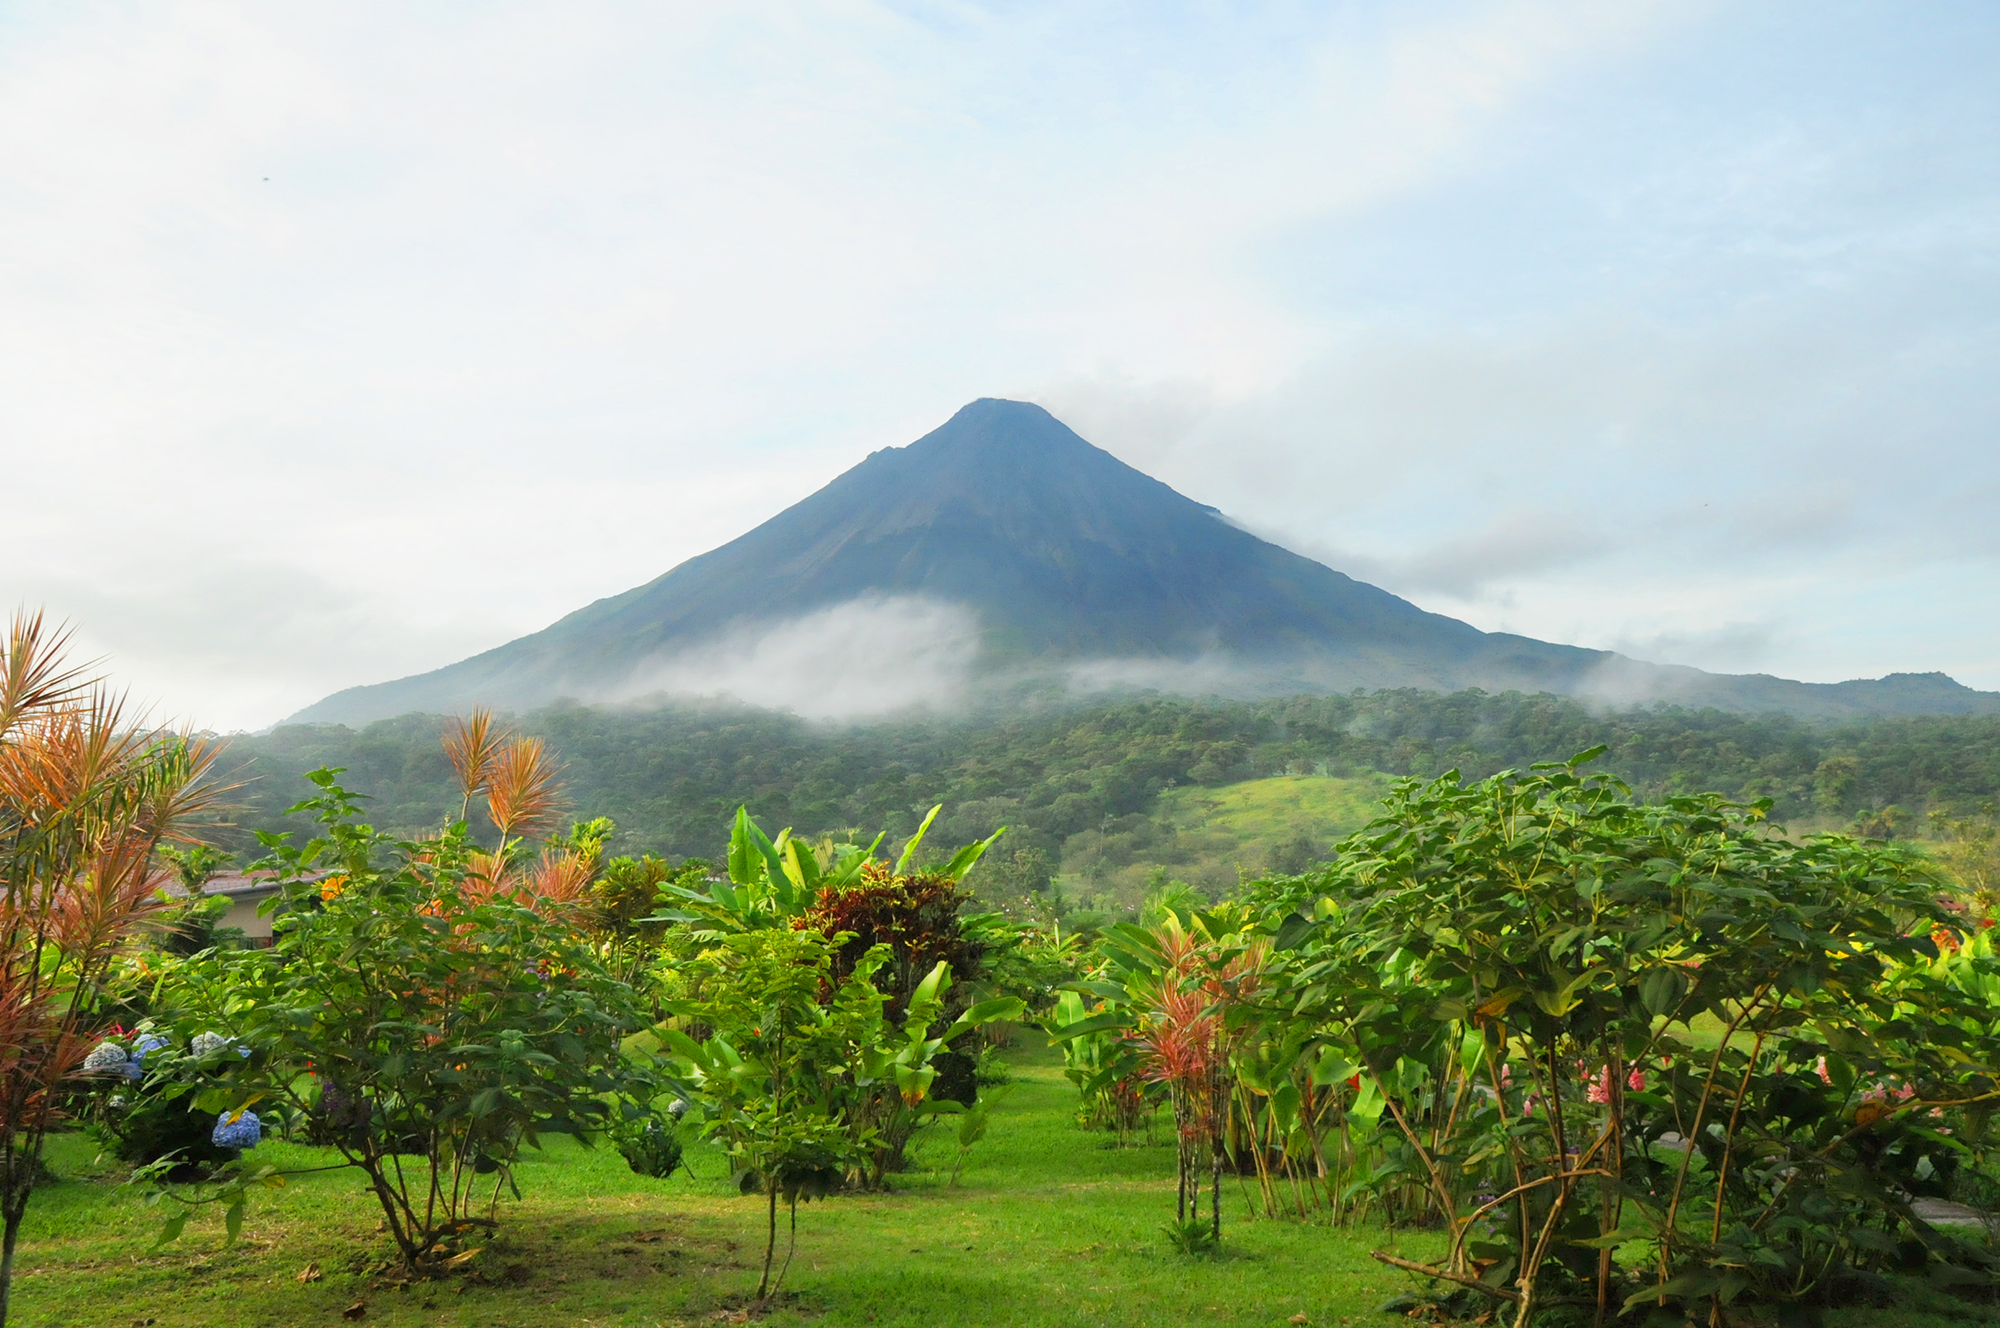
(1000, 547)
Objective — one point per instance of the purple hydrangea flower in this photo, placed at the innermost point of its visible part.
(241, 1130)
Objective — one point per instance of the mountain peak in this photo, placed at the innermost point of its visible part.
(995, 424)
(1000, 543)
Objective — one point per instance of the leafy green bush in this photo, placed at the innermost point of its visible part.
(650, 1145)
(141, 1106)
(411, 1007)
(797, 1064)
(1603, 1026)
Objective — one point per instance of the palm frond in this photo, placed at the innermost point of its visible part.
(472, 742)
(562, 876)
(522, 794)
(34, 676)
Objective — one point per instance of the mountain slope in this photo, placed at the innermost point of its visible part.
(1053, 554)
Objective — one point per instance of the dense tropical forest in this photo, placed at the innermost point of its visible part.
(1099, 795)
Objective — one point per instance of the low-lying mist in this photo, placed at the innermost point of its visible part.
(884, 655)
(870, 656)
(881, 656)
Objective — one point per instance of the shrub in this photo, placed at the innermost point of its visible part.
(474, 1023)
(142, 1101)
(802, 1078)
(916, 918)
(1599, 1025)
(651, 1145)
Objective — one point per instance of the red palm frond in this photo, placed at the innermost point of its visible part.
(180, 793)
(1179, 1039)
(88, 793)
(522, 794)
(472, 743)
(561, 877)
(486, 876)
(118, 889)
(34, 677)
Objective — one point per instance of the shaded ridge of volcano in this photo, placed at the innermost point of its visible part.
(1057, 556)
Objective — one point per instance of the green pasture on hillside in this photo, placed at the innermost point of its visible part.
(1049, 1226)
(1213, 837)
(1256, 816)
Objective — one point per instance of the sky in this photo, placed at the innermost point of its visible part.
(341, 341)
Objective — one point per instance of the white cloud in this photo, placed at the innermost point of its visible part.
(432, 325)
(870, 656)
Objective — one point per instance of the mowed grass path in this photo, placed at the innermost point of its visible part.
(1048, 1227)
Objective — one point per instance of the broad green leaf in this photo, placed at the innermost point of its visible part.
(909, 854)
(963, 860)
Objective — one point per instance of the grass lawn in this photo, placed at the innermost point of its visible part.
(1048, 1226)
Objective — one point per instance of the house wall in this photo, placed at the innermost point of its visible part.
(242, 913)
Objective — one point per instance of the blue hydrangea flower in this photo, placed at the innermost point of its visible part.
(241, 1130)
(146, 1044)
(105, 1058)
(207, 1042)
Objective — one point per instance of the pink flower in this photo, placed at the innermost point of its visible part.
(1600, 1087)
(1824, 1077)
(1636, 1081)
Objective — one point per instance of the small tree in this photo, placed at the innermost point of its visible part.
(428, 1011)
(885, 930)
(86, 798)
(765, 1075)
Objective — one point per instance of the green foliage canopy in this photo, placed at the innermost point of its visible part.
(672, 777)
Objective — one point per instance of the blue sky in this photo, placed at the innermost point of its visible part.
(339, 342)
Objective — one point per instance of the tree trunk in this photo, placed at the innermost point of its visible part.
(15, 1212)
(1215, 1192)
(1181, 1128)
(770, 1245)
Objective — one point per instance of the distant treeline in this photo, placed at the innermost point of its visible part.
(672, 777)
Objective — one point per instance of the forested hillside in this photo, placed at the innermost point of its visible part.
(1082, 785)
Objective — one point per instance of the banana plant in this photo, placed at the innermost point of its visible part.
(771, 882)
(907, 1055)
(896, 1072)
